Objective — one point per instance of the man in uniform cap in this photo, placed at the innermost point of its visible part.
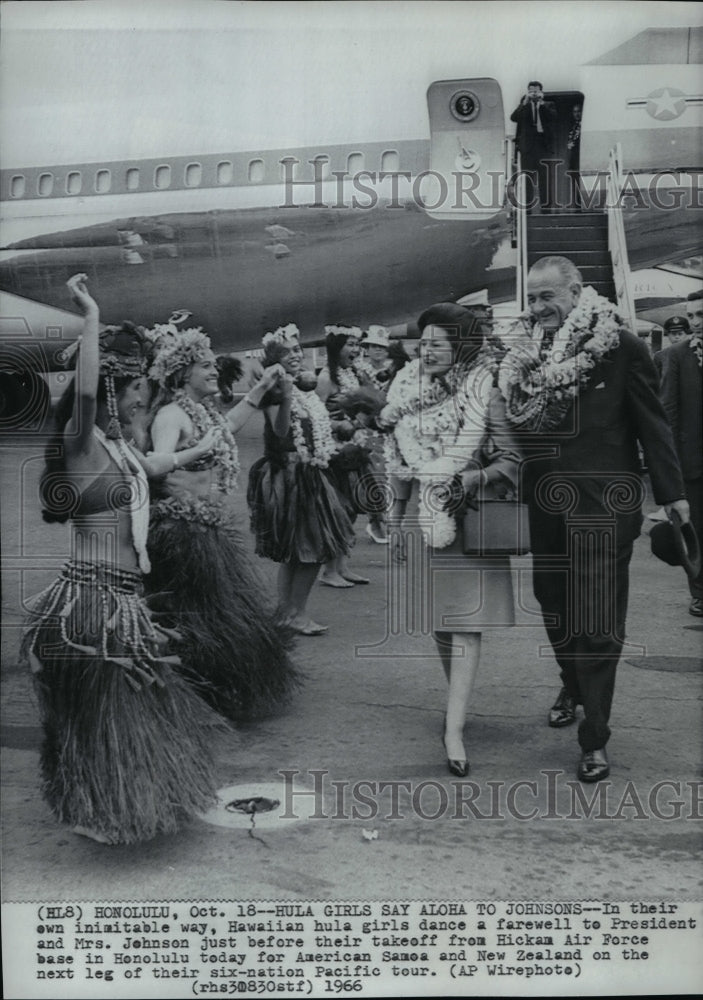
(682, 397)
(676, 329)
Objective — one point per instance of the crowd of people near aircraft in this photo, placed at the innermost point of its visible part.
(159, 627)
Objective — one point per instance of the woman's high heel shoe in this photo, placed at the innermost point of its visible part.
(459, 768)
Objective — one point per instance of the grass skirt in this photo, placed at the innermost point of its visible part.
(362, 490)
(126, 750)
(296, 512)
(234, 649)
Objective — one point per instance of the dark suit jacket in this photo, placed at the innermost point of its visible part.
(595, 461)
(681, 396)
(529, 141)
(660, 359)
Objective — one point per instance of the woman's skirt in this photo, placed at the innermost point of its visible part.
(297, 515)
(127, 743)
(443, 590)
(235, 648)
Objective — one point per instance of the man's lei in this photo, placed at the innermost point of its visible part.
(437, 424)
(205, 415)
(696, 344)
(309, 404)
(539, 390)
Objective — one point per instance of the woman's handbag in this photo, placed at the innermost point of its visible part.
(496, 525)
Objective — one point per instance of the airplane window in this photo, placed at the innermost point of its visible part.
(257, 171)
(290, 168)
(390, 161)
(162, 176)
(193, 175)
(355, 163)
(322, 167)
(45, 185)
(73, 182)
(103, 181)
(132, 179)
(225, 172)
(17, 186)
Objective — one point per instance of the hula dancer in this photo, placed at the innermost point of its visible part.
(235, 649)
(126, 741)
(297, 515)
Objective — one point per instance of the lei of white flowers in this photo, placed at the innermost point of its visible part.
(538, 391)
(309, 404)
(205, 415)
(366, 372)
(347, 379)
(437, 425)
(696, 344)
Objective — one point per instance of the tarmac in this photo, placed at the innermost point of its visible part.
(371, 711)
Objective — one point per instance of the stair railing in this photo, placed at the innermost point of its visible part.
(521, 218)
(617, 244)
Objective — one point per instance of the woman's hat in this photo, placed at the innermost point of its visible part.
(378, 336)
(677, 544)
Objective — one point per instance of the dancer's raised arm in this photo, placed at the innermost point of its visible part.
(79, 429)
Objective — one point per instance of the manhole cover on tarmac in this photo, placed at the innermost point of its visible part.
(671, 664)
(263, 806)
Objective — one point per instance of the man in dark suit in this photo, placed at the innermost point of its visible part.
(682, 395)
(584, 391)
(534, 136)
(676, 329)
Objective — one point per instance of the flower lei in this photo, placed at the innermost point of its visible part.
(347, 379)
(539, 391)
(309, 404)
(437, 425)
(366, 372)
(208, 512)
(205, 415)
(696, 344)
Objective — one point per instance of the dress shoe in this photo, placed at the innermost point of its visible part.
(459, 768)
(593, 766)
(696, 607)
(563, 711)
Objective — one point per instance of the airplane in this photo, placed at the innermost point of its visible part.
(245, 240)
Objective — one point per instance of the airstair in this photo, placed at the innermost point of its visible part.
(580, 236)
(593, 240)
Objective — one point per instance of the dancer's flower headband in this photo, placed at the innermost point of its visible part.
(175, 349)
(284, 336)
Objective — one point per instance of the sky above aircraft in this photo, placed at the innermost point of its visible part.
(126, 79)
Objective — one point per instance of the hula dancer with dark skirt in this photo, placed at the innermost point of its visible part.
(350, 468)
(235, 646)
(297, 516)
(126, 751)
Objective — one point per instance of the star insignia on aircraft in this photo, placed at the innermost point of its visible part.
(666, 103)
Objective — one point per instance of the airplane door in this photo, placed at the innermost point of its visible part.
(467, 149)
